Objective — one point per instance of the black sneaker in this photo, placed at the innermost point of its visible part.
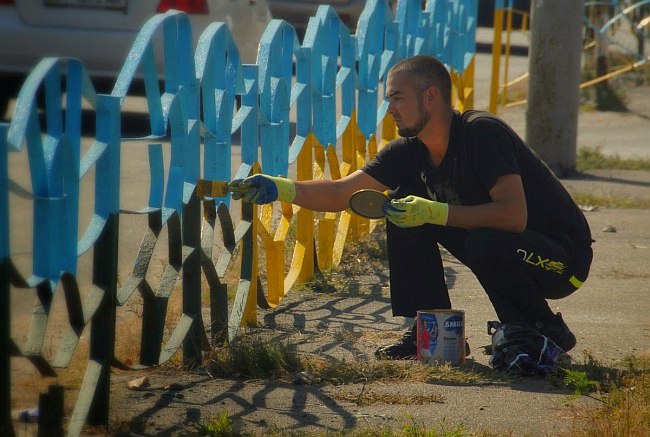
(559, 332)
(404, 349)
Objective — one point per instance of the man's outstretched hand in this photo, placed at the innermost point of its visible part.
(416, 211)
(262, 189)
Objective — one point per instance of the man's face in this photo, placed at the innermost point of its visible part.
(405, 105)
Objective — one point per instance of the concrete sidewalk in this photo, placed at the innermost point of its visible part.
(609, 316)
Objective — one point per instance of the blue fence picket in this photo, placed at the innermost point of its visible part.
(54, 160)
(377, 48)
(322, 41)
(278, 47)
(219, 69)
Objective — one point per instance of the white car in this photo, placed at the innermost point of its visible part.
(101, 33)
(297, 12)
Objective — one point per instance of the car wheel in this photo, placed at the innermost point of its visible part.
(8, 91)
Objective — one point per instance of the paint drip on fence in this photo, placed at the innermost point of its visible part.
(441, 336)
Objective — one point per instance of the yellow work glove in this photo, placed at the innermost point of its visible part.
(263, 189)
(416, 211)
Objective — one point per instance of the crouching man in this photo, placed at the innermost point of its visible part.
(467, 182)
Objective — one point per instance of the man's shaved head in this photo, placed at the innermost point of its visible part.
(424, 71)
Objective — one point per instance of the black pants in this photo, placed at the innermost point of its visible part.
(518, 271)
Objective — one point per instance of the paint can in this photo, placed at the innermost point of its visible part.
(441, 336)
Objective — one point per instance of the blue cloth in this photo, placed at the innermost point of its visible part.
(521, 350)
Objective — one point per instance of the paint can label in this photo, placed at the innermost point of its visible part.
(441, 336)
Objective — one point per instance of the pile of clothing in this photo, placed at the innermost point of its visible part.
(522, 350)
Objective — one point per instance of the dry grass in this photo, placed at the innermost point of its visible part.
(224, 426)
(366, 398)
(609, 201)
(626, 407)
(367, 256)
(340, 372)
(266, 355)
(254, 356)
(624, 392)
(591, 158)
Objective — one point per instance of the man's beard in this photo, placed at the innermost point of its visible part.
(419, 125)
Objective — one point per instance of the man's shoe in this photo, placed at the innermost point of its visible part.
(559, 332)
(404, 349)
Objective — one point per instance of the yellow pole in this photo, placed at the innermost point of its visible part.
(468, 80)
(388, 130)
(595, 81)
(504, 95)
(305, 217)
(516, 80)
(496, 55)
(249, 316)
(613, 74)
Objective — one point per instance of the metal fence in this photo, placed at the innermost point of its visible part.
(209, 96)
(621, 26)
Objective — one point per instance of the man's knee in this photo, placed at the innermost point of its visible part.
(486, 246)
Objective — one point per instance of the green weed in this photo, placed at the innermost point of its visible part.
(625, 410)
(418, 429)
(591, 158)
(609, 201)
(579, 382)
(221, 426)
(590, 375)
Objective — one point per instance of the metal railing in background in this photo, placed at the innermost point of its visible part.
(332, 83)
(503, 11)
(602, 20)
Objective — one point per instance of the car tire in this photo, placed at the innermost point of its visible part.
(8, 91)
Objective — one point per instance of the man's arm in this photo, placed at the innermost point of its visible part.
(333, 195)
(506, 212)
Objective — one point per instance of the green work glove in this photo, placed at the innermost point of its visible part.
(263, 189)
(416, 211)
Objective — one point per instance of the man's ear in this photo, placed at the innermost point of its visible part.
(431, 94)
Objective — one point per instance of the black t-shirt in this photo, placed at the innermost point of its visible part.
(481, 149)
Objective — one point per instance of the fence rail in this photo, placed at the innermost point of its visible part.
(606, 24)
(208, 96)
